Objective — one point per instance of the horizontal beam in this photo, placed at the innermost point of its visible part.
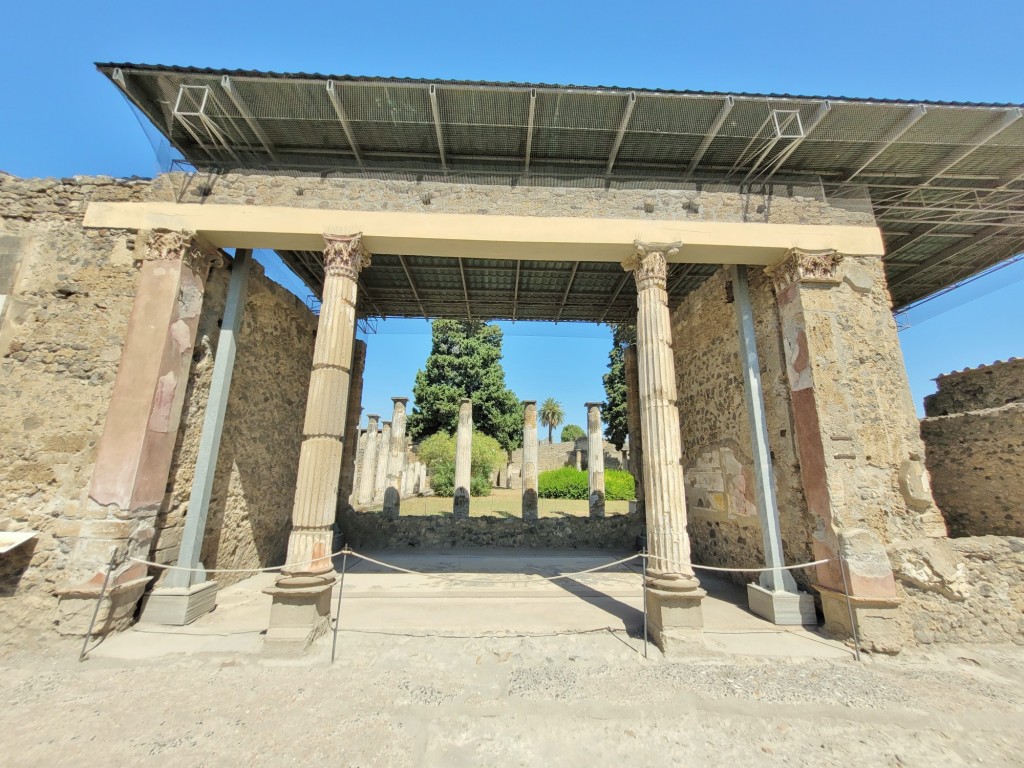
(482, 236)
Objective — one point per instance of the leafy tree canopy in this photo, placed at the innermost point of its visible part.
(571, 432)
(613, 412)
(465, 361)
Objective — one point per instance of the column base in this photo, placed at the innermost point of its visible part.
(75, 607)
(877, 620)
(782, 607)
(178, 606)
(674, 617)
(460, 504)
(300, 612)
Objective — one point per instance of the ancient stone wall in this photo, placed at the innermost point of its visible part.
(60, 343)
(251, 503)
(370, 530)
(975, 389)
(63, 327)
(502, 199)
(974, 438)
(723, 523)
(968, 590)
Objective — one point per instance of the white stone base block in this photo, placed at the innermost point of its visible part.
(299, 613)
(675, 620)
(178, 606)
(782, 608)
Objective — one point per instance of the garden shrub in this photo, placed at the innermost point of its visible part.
(438, 453)
(571, 433)
(571, 483)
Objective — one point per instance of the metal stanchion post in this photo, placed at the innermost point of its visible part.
(337, 611)
(643, 556)
(849, 605)
(99, 602)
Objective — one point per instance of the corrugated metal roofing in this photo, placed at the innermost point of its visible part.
(945, 179)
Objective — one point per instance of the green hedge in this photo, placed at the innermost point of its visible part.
(571, 483)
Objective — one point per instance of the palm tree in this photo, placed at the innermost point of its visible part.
(551, 415)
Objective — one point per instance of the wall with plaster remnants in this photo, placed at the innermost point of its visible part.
(251, 504)
(63, 327)
(717, 454)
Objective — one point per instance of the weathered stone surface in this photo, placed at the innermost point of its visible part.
(975, 449)
(601, 202)
(975, 389)
(962, 590)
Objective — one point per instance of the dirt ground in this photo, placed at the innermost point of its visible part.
(567, 700)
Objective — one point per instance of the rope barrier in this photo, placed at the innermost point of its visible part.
(762, 570)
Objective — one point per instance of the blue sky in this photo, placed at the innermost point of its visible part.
(59, 117)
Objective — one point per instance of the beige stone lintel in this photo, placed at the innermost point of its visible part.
(485, 236)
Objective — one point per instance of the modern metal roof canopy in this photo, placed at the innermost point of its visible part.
(946, 181)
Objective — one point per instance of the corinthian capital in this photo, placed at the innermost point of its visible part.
(345, 255)
(800, 266)
(648, 263)
(168, 244)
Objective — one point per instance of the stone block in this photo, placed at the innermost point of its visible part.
(876, 620)
(675, 620)
(781, 607)
(75, 608)
(178, 606)
(299, 613)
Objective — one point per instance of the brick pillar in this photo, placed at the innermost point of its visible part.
(301, 596)
(396, 459)
(595, 460)
(133, 459)
(856, 432)
(350, 451)
(530, 503)
(674, 594)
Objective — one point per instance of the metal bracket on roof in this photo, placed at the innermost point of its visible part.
(437, 125)
(623, 124)
(897, 133)
(243, 110)
(529, 129)
(716, 126)
(339, 110)
(1008, 118)
(192, 109)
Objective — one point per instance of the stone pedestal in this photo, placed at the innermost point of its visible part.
(595, 460)
(877, 619)
(301, 595)
(300, 612)
(179, 605)
(674, 616)
(782, 607)
(674, 594)
(463, 459)
(530, 449)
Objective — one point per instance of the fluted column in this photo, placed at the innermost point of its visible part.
(674, 592)
(396, 459)
(368, 469)
(352, 438)
(595, 460)
(383, 458)
(301, 596)
(636, 440)
(530, 511)
(463, 459)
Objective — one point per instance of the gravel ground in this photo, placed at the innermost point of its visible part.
(570, 700)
